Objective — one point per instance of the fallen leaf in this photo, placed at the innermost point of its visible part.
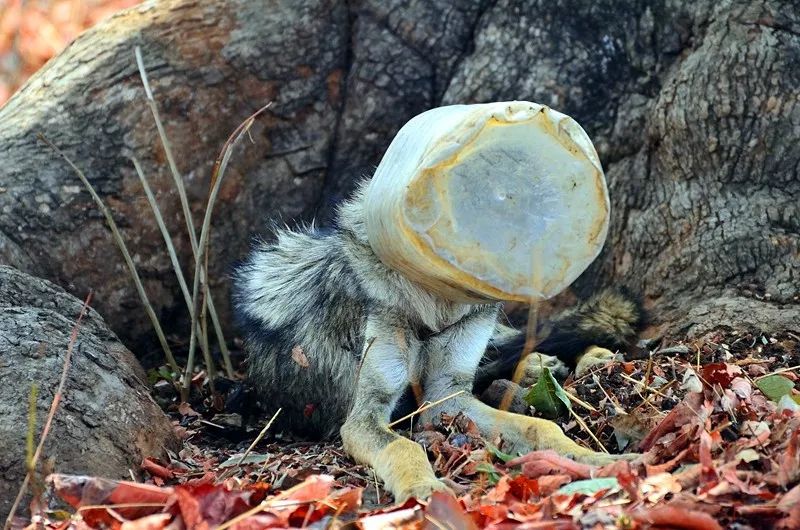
(691, 383)
(78, 490)
(538, 463)
(156, 521)
(547, 396)
(674, 517)
(407, 519)
(443, 511)
(186, 410)
(721, 374)
(299, 356)
(591, 486)
(156, 469)
(775, 386)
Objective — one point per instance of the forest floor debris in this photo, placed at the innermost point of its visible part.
(720, 442)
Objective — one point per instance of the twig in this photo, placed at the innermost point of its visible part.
(51, 413)
(575, 399)
(151, 314)
(643, 385)
(187, 214)
(425, 407)
(776, 372)
(617, 407)
(259, 437)
(29, 449)
(122, 505)
(588, 431)
(377, 486)
(216, 179)
(649, 370)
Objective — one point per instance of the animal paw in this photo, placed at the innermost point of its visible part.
(420, 489)
(593, 357)
(532, 366)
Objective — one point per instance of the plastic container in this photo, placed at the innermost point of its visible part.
(496, 201)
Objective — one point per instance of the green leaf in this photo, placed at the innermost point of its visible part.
(591, 486)
(505, 457)
(547, 396)
(775, 386)
(489, 469)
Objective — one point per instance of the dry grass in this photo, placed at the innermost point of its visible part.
(199, 301)
(187, 215)
(151, 314)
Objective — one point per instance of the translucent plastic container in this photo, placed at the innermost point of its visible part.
(498, 201)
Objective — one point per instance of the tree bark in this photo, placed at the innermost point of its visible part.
(693, 107)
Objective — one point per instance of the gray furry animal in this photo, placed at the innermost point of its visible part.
(336, 338)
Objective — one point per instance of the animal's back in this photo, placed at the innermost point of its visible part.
(302, 313)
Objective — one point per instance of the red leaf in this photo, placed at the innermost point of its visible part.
(789, 470)
(790, 505)
(346, 500)
(156, 469)
(190, 510)
(296, 501)
(674, 517)
(493, 512)
(547, 485)
(499, 492)
(258, 522)
(538, 463)
(409, 518)
(720, 373)
(681, 415)
(668, 465)
(445, 511)
(80, 491)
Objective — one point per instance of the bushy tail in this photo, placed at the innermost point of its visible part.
(610, 319)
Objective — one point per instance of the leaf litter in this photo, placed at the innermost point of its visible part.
(722, 451)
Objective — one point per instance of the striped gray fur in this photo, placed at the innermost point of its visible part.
(336, 338)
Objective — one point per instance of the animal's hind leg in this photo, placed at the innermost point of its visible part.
(401, 463)
(451, 360)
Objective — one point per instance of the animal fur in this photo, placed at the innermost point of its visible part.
(335, 338)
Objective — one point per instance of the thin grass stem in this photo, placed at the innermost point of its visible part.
(216, 180)
(187, 214)
(151, 314)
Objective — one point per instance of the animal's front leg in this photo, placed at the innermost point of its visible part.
(391, 354)
(451, 361)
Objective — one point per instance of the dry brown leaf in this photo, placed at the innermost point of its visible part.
(299, 356)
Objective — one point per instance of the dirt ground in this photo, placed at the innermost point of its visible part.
(719, 441)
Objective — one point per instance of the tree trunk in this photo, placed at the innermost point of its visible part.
(693, 107)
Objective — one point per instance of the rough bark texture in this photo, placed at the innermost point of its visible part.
(107, 421)
(692, 105)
